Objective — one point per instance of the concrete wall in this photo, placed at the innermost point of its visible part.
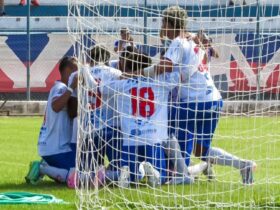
(22, 108)
(247, 108)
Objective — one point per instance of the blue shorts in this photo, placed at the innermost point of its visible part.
(63, 160)
(132, 156)
(195, 121)
(108, 142)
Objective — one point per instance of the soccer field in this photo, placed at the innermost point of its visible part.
(249, 137)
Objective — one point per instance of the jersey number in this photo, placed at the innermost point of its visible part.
(143, 104)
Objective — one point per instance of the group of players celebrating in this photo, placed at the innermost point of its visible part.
(145, 119)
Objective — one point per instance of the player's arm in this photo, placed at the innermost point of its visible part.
(59, 102)
(88, 79)
(165, 65)
(72, 107)
(173, 56)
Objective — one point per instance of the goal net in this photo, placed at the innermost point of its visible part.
(192, 110)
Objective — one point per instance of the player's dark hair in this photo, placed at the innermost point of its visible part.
(176, 17)
(100, 54)
(143, 61)
(129, 61)
(135, 62)
(67, 61)
(127, 51)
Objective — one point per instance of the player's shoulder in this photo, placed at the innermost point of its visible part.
(58, 84)
(169, 75)
(58, 88)
(103, 68)
(113, 70)
(114, 63)
(180, 42)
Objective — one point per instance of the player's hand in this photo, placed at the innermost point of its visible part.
(74, 82)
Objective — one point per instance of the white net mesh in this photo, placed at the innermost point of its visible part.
(133, 137)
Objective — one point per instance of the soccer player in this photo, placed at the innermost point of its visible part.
(126, 40)
(118, 64)
(101, 122)
(142, 104)
(199, 101)
(54, 140)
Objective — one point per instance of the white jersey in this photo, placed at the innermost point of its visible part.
(55, 134)
(102, 105)
(188, 58)
(114, 64)
(142, 104)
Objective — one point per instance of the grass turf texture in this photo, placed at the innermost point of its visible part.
(255, 138)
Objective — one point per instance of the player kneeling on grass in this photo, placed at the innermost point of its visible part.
(199, 102)
(142, 105)
(54, 140)
(100, 123)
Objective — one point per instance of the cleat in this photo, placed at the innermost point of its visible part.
(33, 176)
(124, 178)
(152, 174)
(209, 172)
(247, 172)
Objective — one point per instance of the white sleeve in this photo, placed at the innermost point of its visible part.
(71, 78)
(57, 91)
(114, 74)
(175, 52)
(88, 80)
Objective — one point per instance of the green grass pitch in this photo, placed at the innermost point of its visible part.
(255, 138)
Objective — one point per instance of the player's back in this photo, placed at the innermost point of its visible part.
(102, 105)
(142, 104)
(189, 59)
(55, 133)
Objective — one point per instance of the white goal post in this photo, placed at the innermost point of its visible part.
(239, 42)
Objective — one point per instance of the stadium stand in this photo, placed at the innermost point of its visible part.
(49, 40)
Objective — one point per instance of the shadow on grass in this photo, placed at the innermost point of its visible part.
(43, 185)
